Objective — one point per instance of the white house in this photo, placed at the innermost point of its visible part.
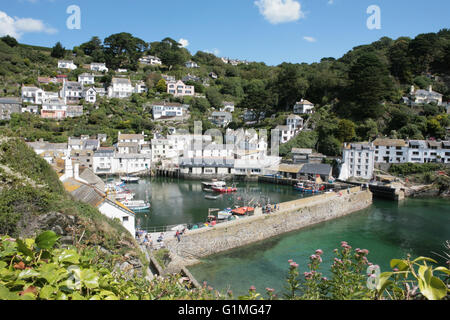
(191, 64)
(140, 87)
(421, 151)
(32, 95)
(150, 60)
(90, 95)
(168, 110)
(424, 96)
(303, 107)
(31, 109)
(294, 122)
(120, 88)
(99, 67)
(66, 64)
(178, 88)
(391, 151)
(285, 133)
(84, 191)
(71, 91)
(86, 79)
(130, 163)
(227, 107)
(358, 161)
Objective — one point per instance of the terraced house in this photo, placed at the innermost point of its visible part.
(179, 89)
(167, 110)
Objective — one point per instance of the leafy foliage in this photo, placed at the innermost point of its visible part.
(33, 269)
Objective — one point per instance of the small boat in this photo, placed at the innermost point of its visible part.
(225, 214)
(243, 211)
(212, 197)
(208, 190)
(130, 179)
(224, 189)
(124, 196)
(310, 190)
(299, 187)
(137, 205)
(217, 184)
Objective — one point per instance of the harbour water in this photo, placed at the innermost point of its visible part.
(175, 201)
(387, 229)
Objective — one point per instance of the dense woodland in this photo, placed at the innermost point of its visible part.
(357, 97)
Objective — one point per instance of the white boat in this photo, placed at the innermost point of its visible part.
(130, 179)
(214, 184)
(137, 205)
(124, 196)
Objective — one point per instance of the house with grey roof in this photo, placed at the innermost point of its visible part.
(221, 119)
(421, 96)
(304, 107)
(9, 106)
(311, 171)
(120, 88)
(66, 64)
(150, 60)
(168, 110)
(83, 185)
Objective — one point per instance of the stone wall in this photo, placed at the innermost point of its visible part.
(291, 216)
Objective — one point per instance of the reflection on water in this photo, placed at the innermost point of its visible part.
(387, 229)
(183, 201)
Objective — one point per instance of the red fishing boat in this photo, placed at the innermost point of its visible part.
(224, 189)
(242, 211)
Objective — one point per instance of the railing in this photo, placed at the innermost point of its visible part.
(161, 229)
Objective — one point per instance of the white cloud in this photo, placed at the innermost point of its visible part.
(16, 27)
(214, 51)
(280, 11)
(310, 39)
(184, 43)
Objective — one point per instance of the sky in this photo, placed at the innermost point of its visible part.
(269, 31)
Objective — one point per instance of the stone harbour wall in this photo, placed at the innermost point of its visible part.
(291, 216)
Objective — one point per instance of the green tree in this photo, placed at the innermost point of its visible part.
(370, 85)
(214, 97)
(91, 46)
(58, 51)
(161, 86)
(122, 50)
(290, 86)
(10, 41)
(346, 130)
(170, 52)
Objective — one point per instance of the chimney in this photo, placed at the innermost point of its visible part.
(68, 170)
(76, 171)
(412, 89)
(430, 89)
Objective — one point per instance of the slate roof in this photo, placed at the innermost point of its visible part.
(316, 168)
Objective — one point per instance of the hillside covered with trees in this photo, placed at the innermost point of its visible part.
(357, 97)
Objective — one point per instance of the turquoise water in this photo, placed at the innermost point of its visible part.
(387, 229)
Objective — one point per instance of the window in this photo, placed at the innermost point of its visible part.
(125, 219)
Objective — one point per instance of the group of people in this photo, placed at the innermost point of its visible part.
(145, 239)
(269, 208)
